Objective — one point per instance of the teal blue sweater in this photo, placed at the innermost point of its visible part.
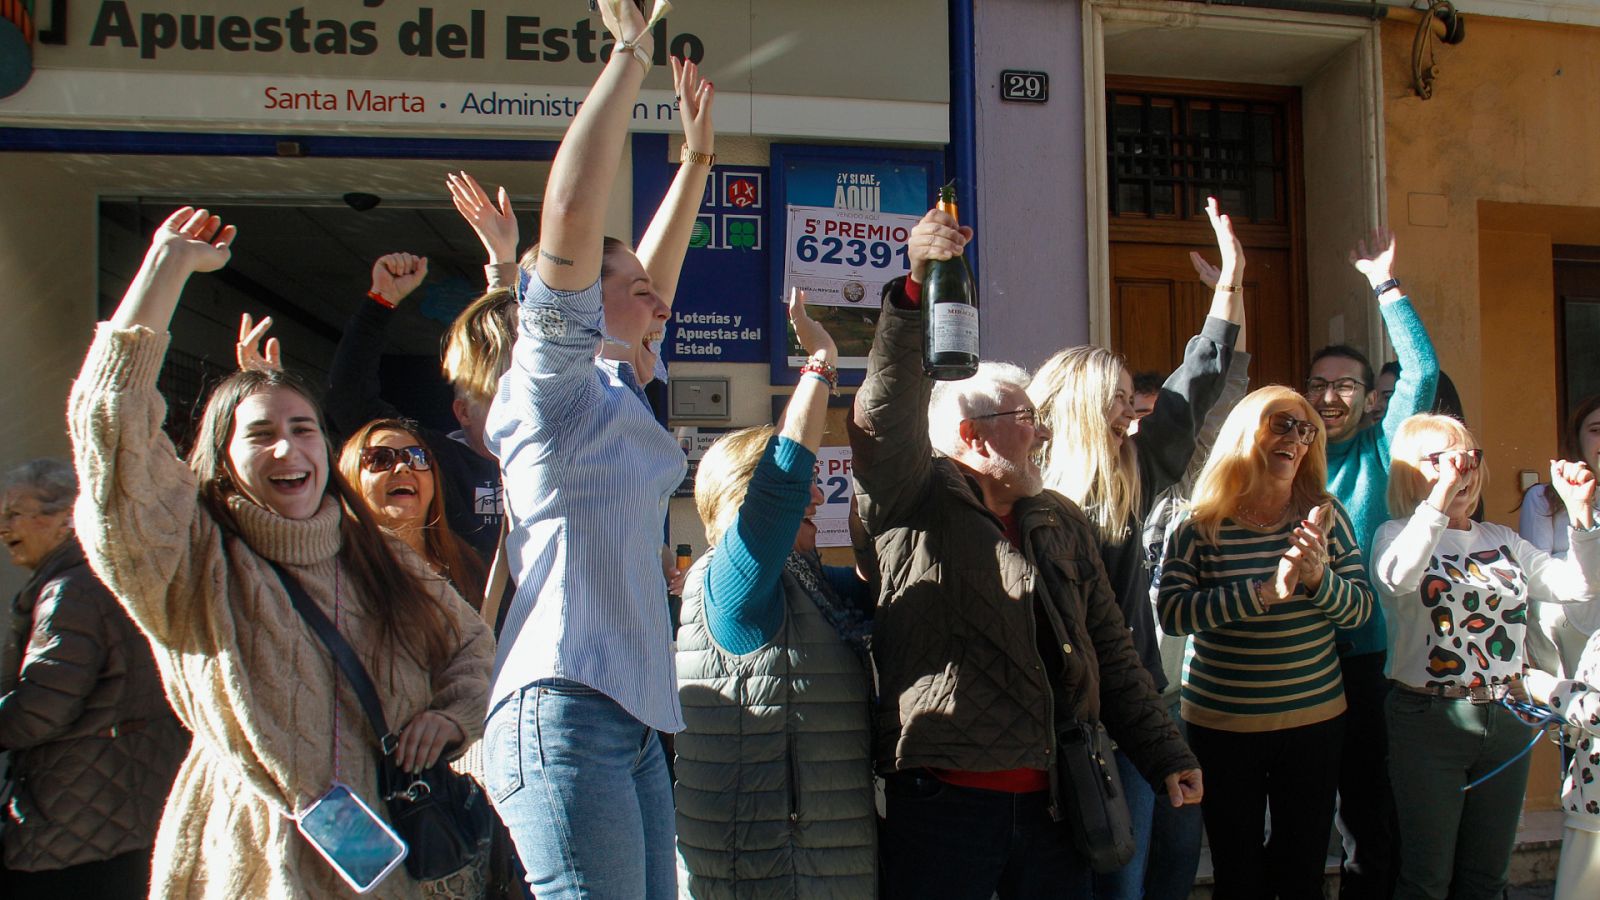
(1358, 468)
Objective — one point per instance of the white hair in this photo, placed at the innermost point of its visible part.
(980, 395)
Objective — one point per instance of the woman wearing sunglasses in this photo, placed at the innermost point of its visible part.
(1456, 594)
(390, 465)
(1263, 570)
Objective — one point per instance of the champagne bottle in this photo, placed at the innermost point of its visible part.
(949, 311)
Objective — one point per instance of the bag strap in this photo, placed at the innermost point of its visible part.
(494, 593)
(343, 655)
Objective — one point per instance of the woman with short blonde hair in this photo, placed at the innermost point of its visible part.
(1456, 594)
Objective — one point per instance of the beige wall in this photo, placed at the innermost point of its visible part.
(1503, 161)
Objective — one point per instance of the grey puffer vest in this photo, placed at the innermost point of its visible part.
(774, 768)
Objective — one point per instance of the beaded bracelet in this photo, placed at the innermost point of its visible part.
(823, 370)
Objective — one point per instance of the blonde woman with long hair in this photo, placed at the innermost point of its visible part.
(1457, 595)
(1085, 397)
(1261, 572)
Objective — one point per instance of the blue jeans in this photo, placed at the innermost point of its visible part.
(1175, 837)
(959, 843)
(1127, 883)
(583, 788)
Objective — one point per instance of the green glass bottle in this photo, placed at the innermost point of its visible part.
(949, 311)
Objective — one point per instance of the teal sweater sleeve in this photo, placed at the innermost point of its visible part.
(1358, 469)
(743, 599)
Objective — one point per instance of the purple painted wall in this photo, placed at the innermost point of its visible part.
(1031, 203)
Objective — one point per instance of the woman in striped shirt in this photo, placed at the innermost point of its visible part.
(1261, 572)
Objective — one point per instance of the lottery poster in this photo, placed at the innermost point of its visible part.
(842, 228)
(832, 517)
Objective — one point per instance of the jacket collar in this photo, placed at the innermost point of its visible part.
(67, 555)
(1031, 512)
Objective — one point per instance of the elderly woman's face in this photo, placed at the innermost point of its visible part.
(28, 532)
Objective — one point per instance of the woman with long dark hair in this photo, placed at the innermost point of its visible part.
(190, 551)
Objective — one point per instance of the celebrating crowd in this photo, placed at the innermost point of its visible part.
(1094, 618)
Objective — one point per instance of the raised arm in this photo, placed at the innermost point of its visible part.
(495, 224)
(354, 395)
(1419, 366)
(888, 427)
(572, 220)
(137, 503)
(1167, 436)
(1575, 580)
(744, 607)
(667, 239)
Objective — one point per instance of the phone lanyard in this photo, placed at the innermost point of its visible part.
(337, 605)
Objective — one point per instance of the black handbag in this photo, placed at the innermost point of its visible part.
(1096, 806)
(443, 817)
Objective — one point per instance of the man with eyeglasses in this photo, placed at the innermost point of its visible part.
(995, 625)
(1342, 388)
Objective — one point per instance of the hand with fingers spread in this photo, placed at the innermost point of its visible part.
(424, 739)
(1374, 257)
(493, 220)
(937, 236)
(251, 355)
(1575, 483)
(695, 96)
(396, 275)
(193, 239)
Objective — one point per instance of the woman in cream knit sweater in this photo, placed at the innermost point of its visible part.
(187, 549)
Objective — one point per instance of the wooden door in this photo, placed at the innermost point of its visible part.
(1171, 144)
(1157, 304)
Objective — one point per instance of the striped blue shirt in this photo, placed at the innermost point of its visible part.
(588, 472)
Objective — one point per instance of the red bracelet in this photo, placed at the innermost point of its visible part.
(823, 370)
(913, 291)
(380, 299)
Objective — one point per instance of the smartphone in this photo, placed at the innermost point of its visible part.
(361, 847)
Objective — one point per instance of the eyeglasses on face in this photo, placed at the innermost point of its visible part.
(1027, 415)
(1474, 458)
(1344, 387)
(383, 459)
(1305, 431)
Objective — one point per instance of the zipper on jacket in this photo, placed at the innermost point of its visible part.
(794, 781)
(1049, 689)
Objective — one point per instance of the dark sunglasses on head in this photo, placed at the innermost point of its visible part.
(1304, 430)
(383, 459)
(1473, 457)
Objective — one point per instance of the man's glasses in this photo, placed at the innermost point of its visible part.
(1472, 457)
(384, 459)
(1304, 430)
(1027, 415)
(1344, 387)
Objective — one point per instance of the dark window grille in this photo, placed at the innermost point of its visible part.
(185, 382)
(1168, 153)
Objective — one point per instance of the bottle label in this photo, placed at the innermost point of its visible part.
(955, 328)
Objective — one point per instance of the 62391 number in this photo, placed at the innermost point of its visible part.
(854, 252)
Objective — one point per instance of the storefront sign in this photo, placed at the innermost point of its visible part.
(846, 216)
(833, 513)
(490, 64)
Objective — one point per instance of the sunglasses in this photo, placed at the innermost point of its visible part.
(1027, 415)
(1473, 457)
(384, 459)
(1304, 430)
